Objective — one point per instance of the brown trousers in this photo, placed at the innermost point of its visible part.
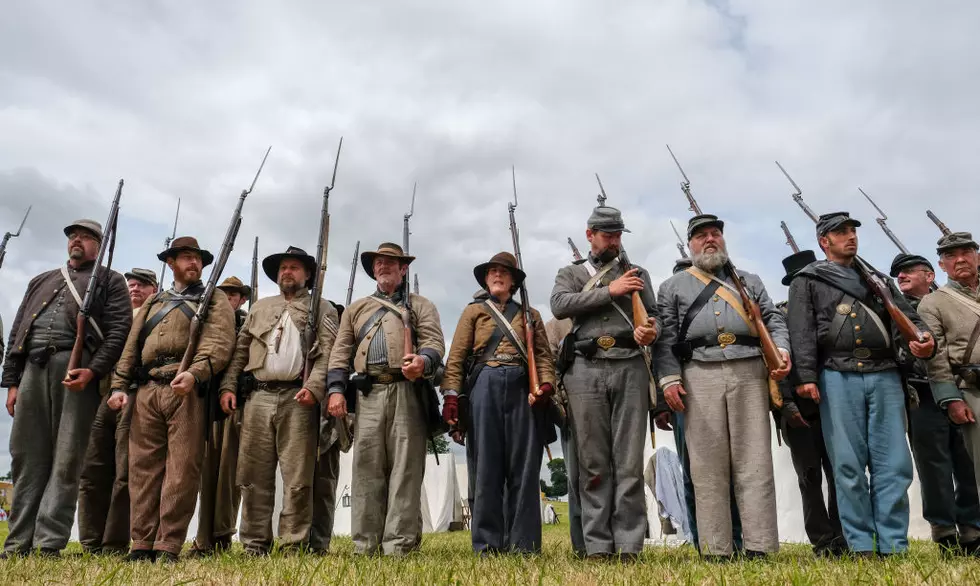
(103, 488)
(220, 495)
(163, 482)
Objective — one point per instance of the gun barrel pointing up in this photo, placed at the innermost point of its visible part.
(935, 220)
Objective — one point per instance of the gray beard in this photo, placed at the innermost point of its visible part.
(710, 262)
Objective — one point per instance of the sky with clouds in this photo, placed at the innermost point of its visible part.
(182, 98)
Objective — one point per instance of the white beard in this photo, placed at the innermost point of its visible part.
(710, 262)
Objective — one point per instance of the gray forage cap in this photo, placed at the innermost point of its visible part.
(955, 240)
(606, 219)
(832, 221)
(145, 276)
(88, 225)
(700, 221)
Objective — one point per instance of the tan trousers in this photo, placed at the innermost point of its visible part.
(220, 496)
(728, 439)
(389, 463)
(277, 430)
(971, 431)
(166, 447)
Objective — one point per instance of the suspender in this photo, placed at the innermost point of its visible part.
(372, 321)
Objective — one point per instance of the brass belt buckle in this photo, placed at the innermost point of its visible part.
(862, 353)
(726, 338)
(384, 378)
(605, 342)
(503, 357)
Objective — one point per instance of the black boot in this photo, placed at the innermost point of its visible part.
(141, 555)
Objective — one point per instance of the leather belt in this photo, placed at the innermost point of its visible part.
(278, 385)
(864, 354)
(386, 378)
(724, 340)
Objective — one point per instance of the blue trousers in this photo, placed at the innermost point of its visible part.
(863, 417)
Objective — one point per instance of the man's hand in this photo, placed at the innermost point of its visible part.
(796, 420)
(646, 334)
(117, 400)
(337, 405)
(77, 379)
(544, 391)
(183, 383)
(413, 366)
(626, 284)
(450, 409)
(809, 391)
(458, 437)
(229, 402)
(673, 394)
(923, 349)
(960, 413)
(305, 398)
(781, 373)
(11, 400)
(662, 421)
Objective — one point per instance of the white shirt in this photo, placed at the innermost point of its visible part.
(286, 364)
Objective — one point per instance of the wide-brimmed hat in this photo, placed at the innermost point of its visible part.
(235, 284)
(955, 240)
(186, 243)
(270, 264)
(145, 276)
(502, 259)
(904, 261)
(833, 220)
(389, 249)
(606, 219)
(795, 262)
(702, 220)
(87, 225)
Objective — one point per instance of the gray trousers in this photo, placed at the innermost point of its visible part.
(971, 432)
(569, 447)
(608, 404)
(389, 463)
(103, 487)
(729, 445)
(506, 514)
(47, 445)
(326, 473)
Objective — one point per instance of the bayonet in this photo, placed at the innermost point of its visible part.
(881, 222)
(166, 245)
(9, 235)
(601, 198)
(798, 196)
(680, 241)
(685, 185)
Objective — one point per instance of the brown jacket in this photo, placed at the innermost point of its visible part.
(473, 332)
(250, 350)
(425, 320)
(170, 337)
(111, 310)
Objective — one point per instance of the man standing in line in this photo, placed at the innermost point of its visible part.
(390, 426)
(608, 384)
(949, 487)
(52, 418)
(846, 346)
(103, 487)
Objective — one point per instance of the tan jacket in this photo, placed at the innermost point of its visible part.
(473, 332)
(557, 329)
(951, 323)
(170, 337)
(250, 350)
(425, 320)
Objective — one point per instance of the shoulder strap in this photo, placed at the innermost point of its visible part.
(154, 321)
(78, 299)
(699, 302)
(504, 329)
(969, 303)
(389, 306)
(724, 291)
(372, 321)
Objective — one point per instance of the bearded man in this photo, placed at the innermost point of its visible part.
(53, 408)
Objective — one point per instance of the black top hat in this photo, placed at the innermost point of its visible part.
(795, 262)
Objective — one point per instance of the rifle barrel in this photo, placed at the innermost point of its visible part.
(353, 273)
(575, 253)
(255, 274)
(942, 227)
(789, 238)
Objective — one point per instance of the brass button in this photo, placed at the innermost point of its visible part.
(721, 328)
(44, 303)
(860, 365)
(853, 315)
(35, 315)
(857, 328)
(715, 298)
(858, 341)
(717, 313)
(722, 346)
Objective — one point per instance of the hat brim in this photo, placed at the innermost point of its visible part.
(69, 228)
(844, 222)
(367, 260)
(206, 257)
(720, 224)
(270, 265)
(140, 278)
(480, 272)
(609, 230)
(244, 290)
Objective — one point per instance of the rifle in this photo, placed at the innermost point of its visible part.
(942, 227)
(575, 253)
(770, 353)
(685, 185)
(8, 236)
(201, 315)
(409, 340)
(640, 315)
(680, 241)
(878, 287)
(416, 287)
(789, 238)
(254, 283)
(108, 244)
(166, 245)
(884, 227)
(353, 272)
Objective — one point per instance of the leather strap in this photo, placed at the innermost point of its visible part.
(724, 291)
(699, 302)
(158, 317)
(78, 299)
(503, 326)
(372, 321)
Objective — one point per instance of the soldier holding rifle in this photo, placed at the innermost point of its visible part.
(607, 380)
(53, 406)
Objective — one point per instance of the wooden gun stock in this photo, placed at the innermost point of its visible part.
(770, 352)
(79, 347)
(640, 315)
(192, 340)
(409, 341)
(906, 327)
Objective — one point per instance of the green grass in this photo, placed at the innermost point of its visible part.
(447, 559)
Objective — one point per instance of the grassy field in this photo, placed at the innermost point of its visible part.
(448, 559)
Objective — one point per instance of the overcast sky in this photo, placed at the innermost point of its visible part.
(182, 98)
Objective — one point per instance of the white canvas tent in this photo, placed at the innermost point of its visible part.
(442, 505)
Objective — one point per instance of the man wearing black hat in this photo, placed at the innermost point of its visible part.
(166, 438)
(845, 348)
(710, 368)
(52, 417)
(389, 443)
(488, 364)
(608, 385)
(281, 418)
(103, 487)
(953, 314)
(949, 488)
(804, 436)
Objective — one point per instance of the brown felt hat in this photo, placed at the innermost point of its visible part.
(389, 249)
(270, 264)
(235, 285)
(501, 259)
(186, 243)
